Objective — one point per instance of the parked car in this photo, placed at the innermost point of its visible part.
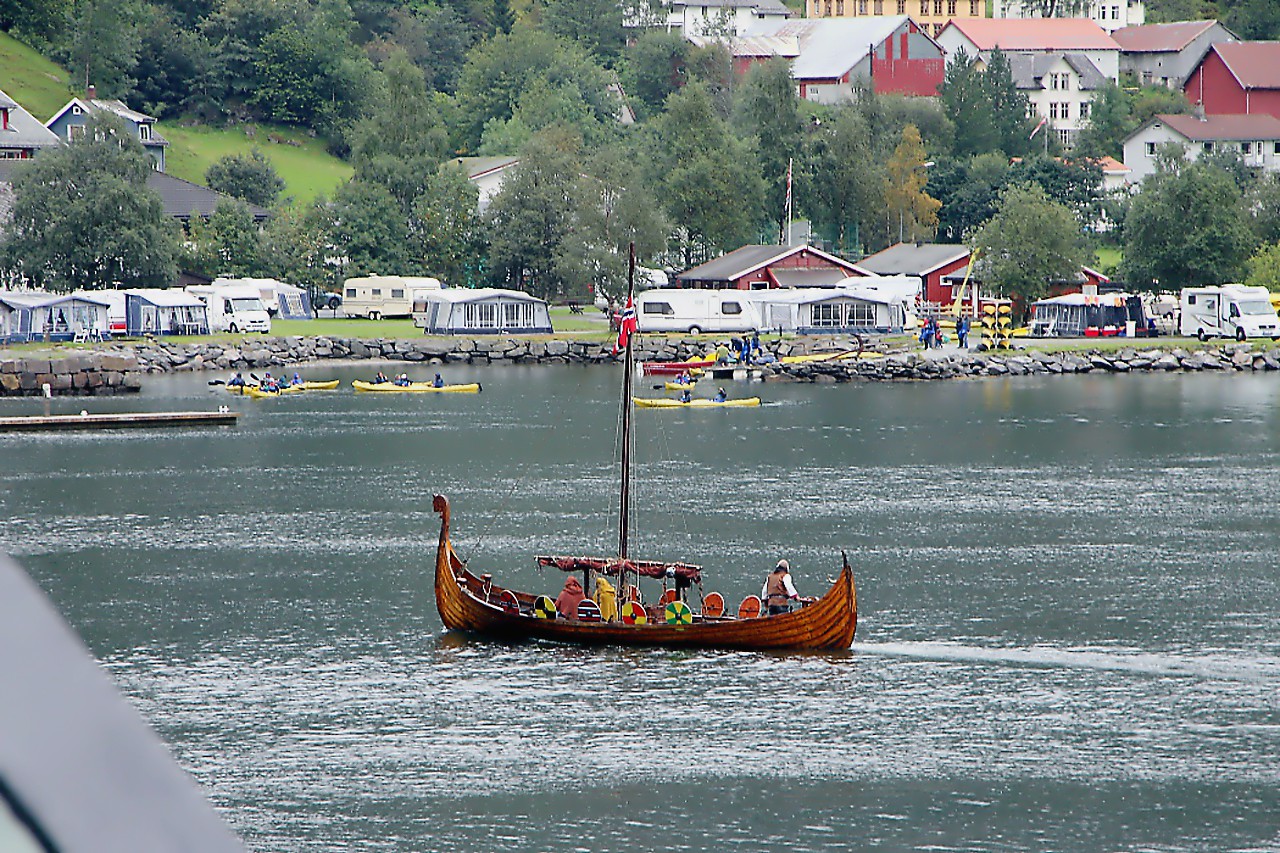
(330, 300)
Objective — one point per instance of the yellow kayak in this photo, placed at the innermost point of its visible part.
(700, 403)
(678, 386)
(257, 393)
(415, 387)
(320, 384)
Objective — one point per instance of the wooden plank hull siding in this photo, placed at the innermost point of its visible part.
(92, 374)
(828, 624)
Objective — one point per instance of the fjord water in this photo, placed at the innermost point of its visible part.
(1069, 633)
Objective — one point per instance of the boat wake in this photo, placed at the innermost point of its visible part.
(1260, 669)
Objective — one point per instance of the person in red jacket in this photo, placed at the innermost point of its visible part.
(569, 599)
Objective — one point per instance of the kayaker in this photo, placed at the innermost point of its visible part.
(685, 378)
(403, 380)
(438, 382)
(380, 379)
(236, 381)
(778, 591)
(686, 396)
(297, 380)
(721, 396)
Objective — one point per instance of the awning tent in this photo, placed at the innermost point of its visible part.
(35, 315)
(481, 310)
(1087, 315)
(169, 311)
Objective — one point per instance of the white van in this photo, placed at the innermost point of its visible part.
(696, 311)
(233, 308)
(1228, 311)
(378, 296)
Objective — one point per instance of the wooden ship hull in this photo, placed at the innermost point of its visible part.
(467, 603)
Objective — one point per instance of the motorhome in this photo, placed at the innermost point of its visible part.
(1228, 311)
(233, 307)
(378, 296)
(696, 311)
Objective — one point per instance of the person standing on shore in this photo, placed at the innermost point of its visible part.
(962, 333)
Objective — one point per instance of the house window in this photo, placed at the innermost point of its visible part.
(924, 7)
(973, 8)
(1275, 148)
(937, 7)
(1085, 107)
(862, 7)
(951, 7)
(1064, 137)
(1115, 13)
(144, 132)
(74, 132)
(1059, 109)
(1208, 146)
(1246, 147)
(902, 7)
(75, 110)
(879, 7)
(4, 119)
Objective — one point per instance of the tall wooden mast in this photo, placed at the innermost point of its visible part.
(624, 509)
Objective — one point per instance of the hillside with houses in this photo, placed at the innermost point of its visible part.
(527, 146)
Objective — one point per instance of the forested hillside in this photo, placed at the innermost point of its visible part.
(623, 135)
(1257, 20)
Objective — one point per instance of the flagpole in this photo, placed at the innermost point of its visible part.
(784, 235)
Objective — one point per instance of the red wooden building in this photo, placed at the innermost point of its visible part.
(1237, 78)
(764, 267)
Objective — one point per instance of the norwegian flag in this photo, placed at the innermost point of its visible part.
(627, 323)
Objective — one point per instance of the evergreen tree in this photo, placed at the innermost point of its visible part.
(964, 98)
(768, 109)
(1110, 121)
(1008, 106)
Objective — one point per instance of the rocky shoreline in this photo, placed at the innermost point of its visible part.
(118, 367)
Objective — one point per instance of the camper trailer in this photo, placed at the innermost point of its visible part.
(1228, 311)
(378, 296)
(696, 311)
(233, 308)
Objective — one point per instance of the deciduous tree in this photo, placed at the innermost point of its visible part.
(83, 217)
(1031, 242)
(913, 210)
(250, 177)
(1188, 227)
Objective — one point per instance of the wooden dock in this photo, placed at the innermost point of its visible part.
(123, 420)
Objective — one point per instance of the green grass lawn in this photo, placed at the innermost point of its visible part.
(1109, 257)
(306, 168)
(41, 86)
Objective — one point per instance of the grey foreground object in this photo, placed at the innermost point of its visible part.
(79, 768)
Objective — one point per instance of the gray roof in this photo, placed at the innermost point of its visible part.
(829, 47)
(810, 278)
(84, 768)
(767, 6)
(1029, 69)
(25, 130)
(913, 258)
(180, 198)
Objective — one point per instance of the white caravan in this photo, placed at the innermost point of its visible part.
(378, 296)
(233, 308)
(1228, 311)
(696, 311)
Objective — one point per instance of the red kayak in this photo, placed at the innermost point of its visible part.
(663, 368)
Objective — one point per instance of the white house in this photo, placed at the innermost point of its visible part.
(1111, 15)
(1256, 137)
(1060, 88)
(717, 18)
(980, 36)
(487, 173)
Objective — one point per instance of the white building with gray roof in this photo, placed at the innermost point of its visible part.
(1060, 88)
(22, 135)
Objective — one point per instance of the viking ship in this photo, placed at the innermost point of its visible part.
(476, 604)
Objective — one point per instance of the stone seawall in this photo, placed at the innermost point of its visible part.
(83, 373)
(118, 369)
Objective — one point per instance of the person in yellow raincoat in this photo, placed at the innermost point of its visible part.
(607, 600)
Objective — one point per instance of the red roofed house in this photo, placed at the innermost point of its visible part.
(980, 36)
(766, 267)
(1166, 54)
(1256, 137)
(1237, 78)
